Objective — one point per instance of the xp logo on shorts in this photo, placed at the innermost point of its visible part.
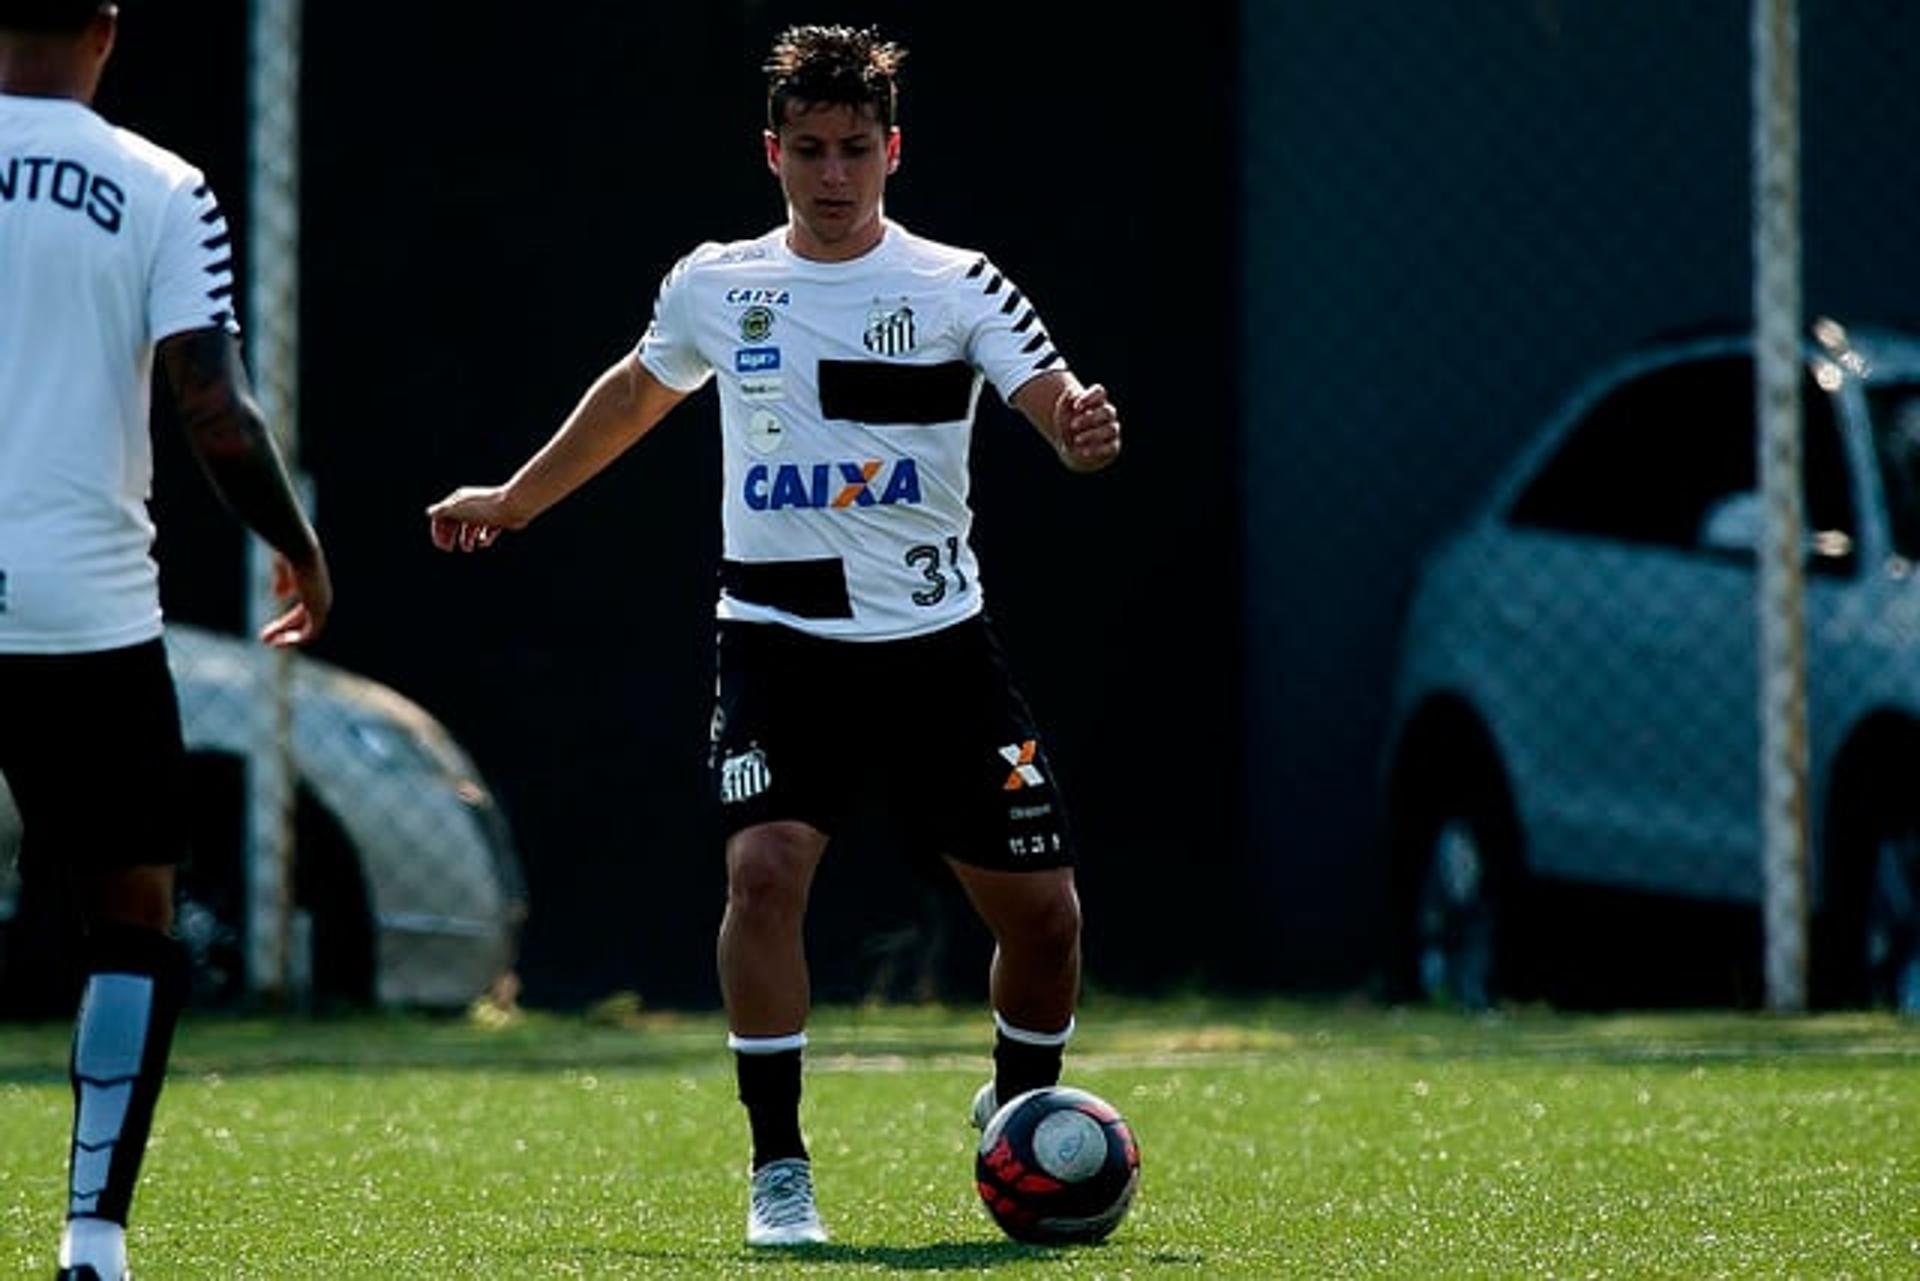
(1025, 772)
(831, 485)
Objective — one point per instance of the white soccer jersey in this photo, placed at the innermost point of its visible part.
(847, 392)
(108, 244)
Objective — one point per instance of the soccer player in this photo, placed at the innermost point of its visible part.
(112, 251)
(849, 354)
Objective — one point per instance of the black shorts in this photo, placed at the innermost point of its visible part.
(930, 730)
(91, 749)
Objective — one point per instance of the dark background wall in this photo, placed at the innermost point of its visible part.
(1335, 257)
(489, 204)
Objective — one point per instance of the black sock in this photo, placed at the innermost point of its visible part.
(770, 1089)
(1019, 1066)
(136, 981)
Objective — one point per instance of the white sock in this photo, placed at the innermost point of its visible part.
(95, 1243)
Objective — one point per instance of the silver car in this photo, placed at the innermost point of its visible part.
(1576, 702)
(407, 886)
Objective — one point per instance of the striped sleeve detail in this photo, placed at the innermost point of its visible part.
(1017, 345)
(216, 266)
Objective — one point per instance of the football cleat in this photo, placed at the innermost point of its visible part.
(985, 1104)
(780, 1208)
(85, 1272)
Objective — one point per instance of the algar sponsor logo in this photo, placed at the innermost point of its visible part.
(831, 485)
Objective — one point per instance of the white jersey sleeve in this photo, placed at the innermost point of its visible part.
(669, 348)
(193, 264)
(1005, 338)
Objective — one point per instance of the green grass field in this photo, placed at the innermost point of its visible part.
(1277, 1140)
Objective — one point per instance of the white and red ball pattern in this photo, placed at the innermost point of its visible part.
(1057, 1166)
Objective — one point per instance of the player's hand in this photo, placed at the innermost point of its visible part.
(471, 518)
(1089, 428)
(310, 588)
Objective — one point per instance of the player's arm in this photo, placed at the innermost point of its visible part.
(228, 435)
(623, 405)
(1081, 423)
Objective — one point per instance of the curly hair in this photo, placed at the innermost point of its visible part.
(54, 16)
(838, 66)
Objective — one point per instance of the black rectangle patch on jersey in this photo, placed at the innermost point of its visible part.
(869, 391)
(803, 588)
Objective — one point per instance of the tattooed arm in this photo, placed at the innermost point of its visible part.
(229, 437)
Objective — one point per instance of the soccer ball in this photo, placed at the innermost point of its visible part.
(1057, 1166)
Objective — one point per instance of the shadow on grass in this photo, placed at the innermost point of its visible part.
(933, 1257)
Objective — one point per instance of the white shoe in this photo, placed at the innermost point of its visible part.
(780, 1208)
(985, 1104)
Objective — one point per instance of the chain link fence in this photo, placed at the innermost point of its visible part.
(1504, 505)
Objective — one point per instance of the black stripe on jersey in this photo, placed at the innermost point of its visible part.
(1020, 325)
(1052, 357)
(1033, 343)
(867, 391)
(215, 268)
(979, 266)
(215, 242)
(993, 286)
(200, 192)
(212, 215)
(1013, 300)
(221, 319)
(221, 291)
(803, 588)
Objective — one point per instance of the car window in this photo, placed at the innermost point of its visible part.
(1895, 409)
(1656, 459)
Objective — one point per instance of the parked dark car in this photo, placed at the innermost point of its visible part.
(1576, 707)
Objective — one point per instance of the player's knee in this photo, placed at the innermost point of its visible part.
(1051, 925)
(137, 897)
(768, 874)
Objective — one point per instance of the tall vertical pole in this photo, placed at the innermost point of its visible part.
(1782, 570)
(273, 345)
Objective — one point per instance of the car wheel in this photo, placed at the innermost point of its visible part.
(210, 906)
(1456, 886)
(1455, 920)
(1891, 936)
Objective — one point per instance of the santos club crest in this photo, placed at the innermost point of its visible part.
(890, 333)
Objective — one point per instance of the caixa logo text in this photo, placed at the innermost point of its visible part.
(864, 484)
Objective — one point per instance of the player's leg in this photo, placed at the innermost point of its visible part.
(763, 981)
(995, 806)
(135, 985)
(763, 976)
(97, 775)
(774, 749)
(1034, 981)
